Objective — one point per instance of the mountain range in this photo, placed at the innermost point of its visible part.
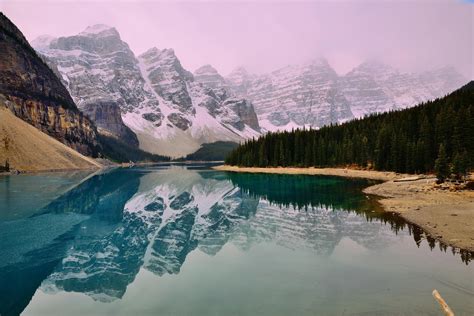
(313, 94)
(93, 94)
(173, 111)
(159, 100)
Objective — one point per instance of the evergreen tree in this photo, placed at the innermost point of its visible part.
(460, 165)
(441, 165)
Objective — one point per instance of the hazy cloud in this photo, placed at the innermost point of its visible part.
(262, 36)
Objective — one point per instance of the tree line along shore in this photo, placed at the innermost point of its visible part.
(436, 136)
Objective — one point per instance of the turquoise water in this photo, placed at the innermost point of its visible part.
(187, 240)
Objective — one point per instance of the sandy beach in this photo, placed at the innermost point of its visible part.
(445, 214)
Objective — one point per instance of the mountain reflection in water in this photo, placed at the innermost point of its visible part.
(95, 238)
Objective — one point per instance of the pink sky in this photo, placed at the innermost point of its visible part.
(265, 35)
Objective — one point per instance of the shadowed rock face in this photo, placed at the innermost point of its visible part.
(36, 95)
(245, 112)
(179, 121)
(106, 115)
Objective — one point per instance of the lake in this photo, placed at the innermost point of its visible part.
(188, 240)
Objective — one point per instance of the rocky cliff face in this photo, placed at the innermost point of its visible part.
(170, 112)
(107, 117)
(37, 96)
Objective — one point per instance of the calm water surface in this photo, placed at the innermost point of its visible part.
(187, 240)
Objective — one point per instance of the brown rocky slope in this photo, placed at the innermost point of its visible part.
(28, 149)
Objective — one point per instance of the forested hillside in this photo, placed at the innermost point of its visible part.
(216, 151)
(437, 134)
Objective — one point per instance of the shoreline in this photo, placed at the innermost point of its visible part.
(338, 172)
(20, 172)
(444, 214)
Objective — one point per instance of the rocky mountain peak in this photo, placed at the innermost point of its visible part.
(239, 81)
(96, 39)
(42, 41)
(150, 53)
(100, 30)
(209, 77)
(238, 73)
(375, 69)
(7, 27)
(167, 60)
(206, 69)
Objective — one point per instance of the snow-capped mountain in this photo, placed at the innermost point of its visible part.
(169, 111)
(375, 87)
(312, 94)
(173, 111)
(294, 96)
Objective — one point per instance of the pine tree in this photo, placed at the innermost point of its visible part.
(460, 165)
(441, 165)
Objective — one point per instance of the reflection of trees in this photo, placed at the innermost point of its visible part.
(307, 192)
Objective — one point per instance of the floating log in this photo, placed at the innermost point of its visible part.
(444, 306)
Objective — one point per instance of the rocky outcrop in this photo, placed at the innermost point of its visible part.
(245, 113)
(107, 117)
(179, 121)
(37, 96)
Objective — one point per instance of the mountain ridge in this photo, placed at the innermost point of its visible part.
(169, 101)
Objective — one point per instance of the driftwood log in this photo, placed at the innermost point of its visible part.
(447, 311)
